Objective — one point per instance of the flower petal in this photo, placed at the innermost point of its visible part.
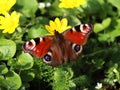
(9, 22)
(5, 5)
(64, 22)
(11, 3)
(49, 29)
(58, 25)
(52, 25)
(71, 3)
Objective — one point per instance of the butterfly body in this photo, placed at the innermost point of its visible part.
(65, 47)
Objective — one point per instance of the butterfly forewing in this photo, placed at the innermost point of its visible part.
(38, 46)
(79, 34)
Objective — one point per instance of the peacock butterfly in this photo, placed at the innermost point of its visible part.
(62, 47)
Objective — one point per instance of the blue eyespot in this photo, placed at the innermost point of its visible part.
(77, 48)
(47, 58)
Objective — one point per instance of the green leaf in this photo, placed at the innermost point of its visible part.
(113, 74)
(106, 22)
(27, 76)
(62, 79)
(11, 81)
(36, 31)
(95, 7)
(71, 83)
(104, 37)
(54, 10)
(7, 49)
(27, 7)
(24, 86)
(73, 20)
(112, 33)
(25, 61)
(82, 80)
(1, 77)
(116, 3)
(98, 63)
(3, 69)
(101, 26)
(98, 27)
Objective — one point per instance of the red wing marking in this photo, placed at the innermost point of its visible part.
(41, 49)
(76, 37)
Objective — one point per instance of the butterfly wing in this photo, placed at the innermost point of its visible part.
(79, 34)
(54, 50)
(38, 46)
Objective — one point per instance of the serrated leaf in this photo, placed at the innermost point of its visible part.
(71, 84)
(3, 69)
(99, 63)
(58, 74)
(62, 79)
(25, 61)
(7, 49)
(82, 80)
(11, 81)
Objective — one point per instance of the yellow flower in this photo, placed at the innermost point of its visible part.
(5, 5)
(71, 3)
(58, 25)
(8, 22)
